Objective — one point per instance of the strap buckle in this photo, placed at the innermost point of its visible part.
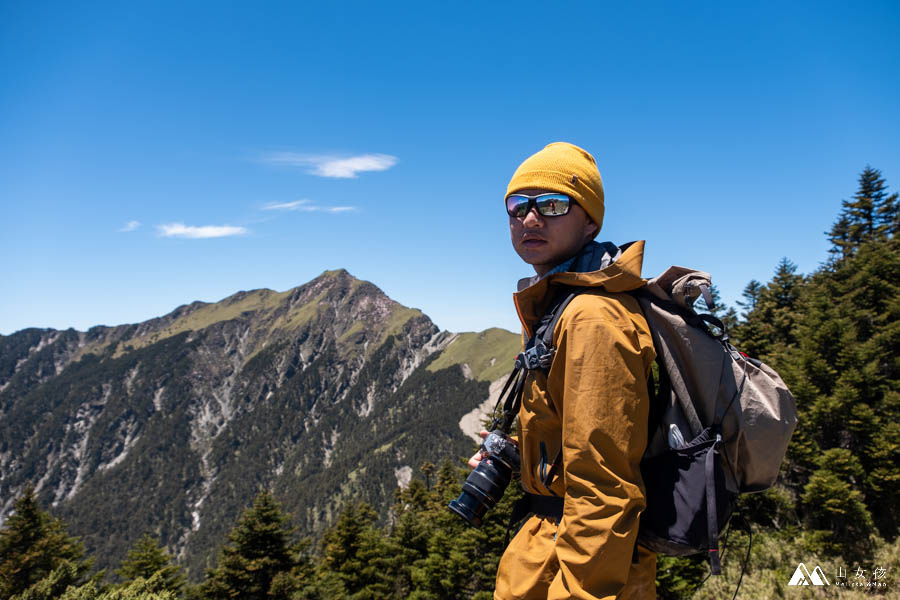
(536, 357)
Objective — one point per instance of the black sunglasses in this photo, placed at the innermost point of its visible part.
(548, 205)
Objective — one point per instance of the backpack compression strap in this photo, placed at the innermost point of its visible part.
(712, 514)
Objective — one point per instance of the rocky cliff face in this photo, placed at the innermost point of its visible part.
(326, 392)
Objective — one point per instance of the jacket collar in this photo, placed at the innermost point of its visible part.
(598, 265)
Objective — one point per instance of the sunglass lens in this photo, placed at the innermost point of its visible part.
(517, 206)
(553, 205)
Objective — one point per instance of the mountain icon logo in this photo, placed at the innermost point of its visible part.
(802, 576)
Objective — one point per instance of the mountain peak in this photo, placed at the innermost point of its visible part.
(319, 391)
(335, 273)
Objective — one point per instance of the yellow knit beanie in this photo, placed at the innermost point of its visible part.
(567, 169)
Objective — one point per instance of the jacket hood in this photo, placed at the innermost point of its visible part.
(600, 265)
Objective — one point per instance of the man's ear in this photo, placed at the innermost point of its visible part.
(591, 230)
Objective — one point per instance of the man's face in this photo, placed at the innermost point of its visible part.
(544, 242)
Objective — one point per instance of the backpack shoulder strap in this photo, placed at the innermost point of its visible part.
(539, 350)
(543, 351)
(556, 313)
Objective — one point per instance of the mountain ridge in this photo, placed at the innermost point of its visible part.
(321, 392)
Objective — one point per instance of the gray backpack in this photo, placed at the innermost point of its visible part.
(720, 424)
(720, 421)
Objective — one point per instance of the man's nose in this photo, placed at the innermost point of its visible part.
(533, 219)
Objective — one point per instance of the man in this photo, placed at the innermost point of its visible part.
(593, 402)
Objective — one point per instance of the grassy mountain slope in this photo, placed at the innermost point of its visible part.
(488, 355)
(323, 393)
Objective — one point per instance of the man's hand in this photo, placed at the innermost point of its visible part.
(476, 458)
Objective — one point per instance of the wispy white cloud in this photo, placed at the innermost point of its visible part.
(130, 226)
(307, 206)
(324, 165)
(293, 205)
(202, 232)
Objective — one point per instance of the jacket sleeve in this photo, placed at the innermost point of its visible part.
(601, 396)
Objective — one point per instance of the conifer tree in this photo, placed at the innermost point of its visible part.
(355, 556)
(749, 332)
(844, 373)
(768, 325)
(146, 559)
(408, 540)
(862, 210)
(258, 550)
(458, 561)
(783, 292)
(751, 296)
(300, 582)
(839, 236)
(871, 214)
(33, 544)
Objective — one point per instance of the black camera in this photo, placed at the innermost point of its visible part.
(485, 485)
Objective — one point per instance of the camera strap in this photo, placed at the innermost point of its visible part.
(511, 397)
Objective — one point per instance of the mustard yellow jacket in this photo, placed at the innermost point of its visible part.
(593, 403)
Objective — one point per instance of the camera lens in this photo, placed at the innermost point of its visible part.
(482, 489)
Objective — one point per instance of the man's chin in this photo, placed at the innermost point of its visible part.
(539, 263)
(532, 258)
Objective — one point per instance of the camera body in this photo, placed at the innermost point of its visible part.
(485, 485)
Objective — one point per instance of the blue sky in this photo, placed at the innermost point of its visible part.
(156, 153)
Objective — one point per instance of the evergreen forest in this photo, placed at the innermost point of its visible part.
(834, 337)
